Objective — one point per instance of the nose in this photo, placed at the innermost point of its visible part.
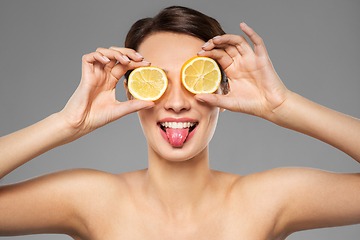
(177, 98)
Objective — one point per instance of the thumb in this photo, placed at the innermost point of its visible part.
(130, 106)
(216, 100)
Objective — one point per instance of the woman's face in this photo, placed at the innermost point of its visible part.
(178, 127)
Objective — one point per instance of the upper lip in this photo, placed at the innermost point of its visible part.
(182, 119)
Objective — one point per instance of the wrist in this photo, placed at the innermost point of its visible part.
(64, 131)
(286, 114)
(300, 114)
(21, 146)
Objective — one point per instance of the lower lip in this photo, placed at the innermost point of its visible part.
(163, 134)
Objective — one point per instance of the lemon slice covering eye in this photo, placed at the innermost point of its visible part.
(147, 83)
(201, 75)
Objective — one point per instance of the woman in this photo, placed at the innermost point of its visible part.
(179, 196)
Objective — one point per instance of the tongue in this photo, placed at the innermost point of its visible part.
(177, 136)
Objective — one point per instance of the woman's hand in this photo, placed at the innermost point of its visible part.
(255, 88)
(94, 104)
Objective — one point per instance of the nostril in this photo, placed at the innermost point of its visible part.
(178, 107)
(177, 103)
(177, 98)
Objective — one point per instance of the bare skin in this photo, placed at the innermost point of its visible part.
(179, 196)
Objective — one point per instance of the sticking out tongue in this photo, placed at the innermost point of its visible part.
(177, 136)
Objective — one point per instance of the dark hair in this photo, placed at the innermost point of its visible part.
(176, 19)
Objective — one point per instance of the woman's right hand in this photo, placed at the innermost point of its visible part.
(94, 104)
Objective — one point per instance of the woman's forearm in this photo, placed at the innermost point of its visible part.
(337, 129)
(22, 146)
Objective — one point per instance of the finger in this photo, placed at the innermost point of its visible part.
(209, 45)
(230, 49)
(216, 100)
(114, 56)
(239, 42)
(95, 57)
(132, 54)
(119, 70)
(90, 60)
(259, 46)
(131, 106)
(222, 57)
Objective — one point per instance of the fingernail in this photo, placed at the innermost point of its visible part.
(126, 58)
(200, 100)
(217, 37)
(205, 44)
(201, 52)
(106, 59)
(244, 23)
(149, 107)
(139, 55)
(147, 62)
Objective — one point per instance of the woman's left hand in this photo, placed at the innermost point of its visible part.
(255, 87)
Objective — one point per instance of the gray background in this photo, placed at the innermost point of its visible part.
(314, 46)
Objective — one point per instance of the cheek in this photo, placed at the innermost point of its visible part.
(212, 112)
(145, 118)
(213, 115)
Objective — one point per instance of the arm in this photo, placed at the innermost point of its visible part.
(256, 89)
(92, 105)
(337, 129)
(20, 147)
(62, 202)
(49, 204)
(309, 198)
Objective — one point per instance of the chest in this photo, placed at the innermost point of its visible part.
(217, 225)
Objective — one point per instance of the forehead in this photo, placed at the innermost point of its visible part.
(167, 50)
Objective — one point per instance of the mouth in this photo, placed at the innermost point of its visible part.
(177, 133)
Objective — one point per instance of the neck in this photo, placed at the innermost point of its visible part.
(179, 185)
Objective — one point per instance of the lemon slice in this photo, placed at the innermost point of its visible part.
(201, 75)
(147, 83)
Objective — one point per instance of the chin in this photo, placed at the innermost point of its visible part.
(188, 151)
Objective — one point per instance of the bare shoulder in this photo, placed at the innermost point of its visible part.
(294, 198)
(277, 185)
(73, 187)
(282, 180)
(80, 180)
(57, 202)
(277, 178)
(72, 180)
(260, 198)
(91, 186)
